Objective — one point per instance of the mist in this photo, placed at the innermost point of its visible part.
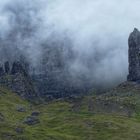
(96, 30)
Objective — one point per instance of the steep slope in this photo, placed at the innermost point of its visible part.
(78, 118)
(16, 77)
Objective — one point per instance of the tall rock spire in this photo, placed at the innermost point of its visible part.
(134, 56)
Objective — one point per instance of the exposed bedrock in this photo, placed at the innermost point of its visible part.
(134, 56)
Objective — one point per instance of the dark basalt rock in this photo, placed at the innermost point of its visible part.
(19, 130)
(134, 56)
(18, 68)
(31, 120)
(7, 67)
(35, 113)
(1, 71)
(1, 117)
(18, 80)
(21, 109)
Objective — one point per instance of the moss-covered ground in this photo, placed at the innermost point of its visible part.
(69, 119)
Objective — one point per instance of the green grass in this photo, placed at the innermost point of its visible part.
(61, 120)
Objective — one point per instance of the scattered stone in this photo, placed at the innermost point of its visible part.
(19, 130)
(31, 120)
(36, 113)
(1, 117)
(21, 109)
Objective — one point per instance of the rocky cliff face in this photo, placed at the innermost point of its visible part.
(15, 77)
(134, 56)
(52, 78)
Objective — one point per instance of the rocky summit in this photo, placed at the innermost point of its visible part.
(134, 56)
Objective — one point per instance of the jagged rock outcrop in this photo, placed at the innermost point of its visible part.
(53, 78)
(7, 67)
(1, 71)
(17, 79)
(134, 56)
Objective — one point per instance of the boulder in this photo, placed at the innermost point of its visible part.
(19, 130)
(31, 120)
(21, 109)
(35, 113)
(1, 117)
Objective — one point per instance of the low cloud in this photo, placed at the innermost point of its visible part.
(97, 29)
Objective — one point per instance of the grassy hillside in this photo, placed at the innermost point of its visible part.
(113, 116)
